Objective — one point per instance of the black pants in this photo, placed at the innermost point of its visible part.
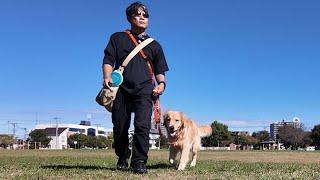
(141, 106)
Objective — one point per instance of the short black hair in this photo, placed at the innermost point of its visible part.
(134, 7)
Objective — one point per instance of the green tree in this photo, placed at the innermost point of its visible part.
(261, 135)
(102, 142)
(307, 140)
(80, 139)
(39, 135)
(110, 142)
(292, 137)
(6, 140)
(248, 140)
(220, 136)
(315, 135)
(91, 142)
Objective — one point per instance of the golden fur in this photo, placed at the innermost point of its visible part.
(184, 136)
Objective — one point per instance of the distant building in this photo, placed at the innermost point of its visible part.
(271, 145)
(274, 127)
(65, 130)
(60, 133)
(154, 134)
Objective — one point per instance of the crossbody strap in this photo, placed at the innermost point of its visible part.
(156, 100)
(134, 52)
(136, 43)
(141, 52)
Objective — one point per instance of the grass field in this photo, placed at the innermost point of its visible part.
(90, 164)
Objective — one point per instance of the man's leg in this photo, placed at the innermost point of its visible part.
(121, 123)
(142, 107)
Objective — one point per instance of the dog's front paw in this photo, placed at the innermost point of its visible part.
(181, 167)
(193, 163)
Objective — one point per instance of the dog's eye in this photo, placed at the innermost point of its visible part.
(177, 120)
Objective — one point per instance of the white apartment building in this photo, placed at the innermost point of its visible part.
(59, 133)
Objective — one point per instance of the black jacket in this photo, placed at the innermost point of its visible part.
(137, 79)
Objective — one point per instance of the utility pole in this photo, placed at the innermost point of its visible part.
(25, 137)
(56, 118)
(25, 133)
(8, 127)
(14, 129)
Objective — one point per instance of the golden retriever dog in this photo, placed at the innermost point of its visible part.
(184, 137)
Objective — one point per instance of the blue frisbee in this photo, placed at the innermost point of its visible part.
(117, 78)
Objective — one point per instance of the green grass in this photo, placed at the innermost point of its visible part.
(87, 164)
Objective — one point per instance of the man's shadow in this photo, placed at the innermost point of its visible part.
(160, 166)
(86, 167)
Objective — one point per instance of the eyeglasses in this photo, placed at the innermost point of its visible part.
(141, 14)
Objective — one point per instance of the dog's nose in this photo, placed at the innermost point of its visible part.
(171, 128)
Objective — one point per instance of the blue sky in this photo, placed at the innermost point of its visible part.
(244, 63)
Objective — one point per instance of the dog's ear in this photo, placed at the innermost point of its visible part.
(183, 118)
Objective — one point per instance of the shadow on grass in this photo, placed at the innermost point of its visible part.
(77, 167)
(160, 166)
(153, 166)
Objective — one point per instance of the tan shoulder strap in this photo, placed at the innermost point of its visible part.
(135, 42)
(143, 55)
(134, 52)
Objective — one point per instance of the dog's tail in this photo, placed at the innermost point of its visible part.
(205, 131)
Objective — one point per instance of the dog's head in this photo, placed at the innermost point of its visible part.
(173, 121)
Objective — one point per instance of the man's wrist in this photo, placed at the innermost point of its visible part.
(107, 76)
(164, 84)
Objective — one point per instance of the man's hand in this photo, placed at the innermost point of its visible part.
(107, 82)
(107, 69)
(158, 90)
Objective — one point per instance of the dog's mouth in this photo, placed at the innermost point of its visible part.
(172, 132)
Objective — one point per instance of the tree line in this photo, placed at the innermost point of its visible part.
(290, 136)
(76, 141)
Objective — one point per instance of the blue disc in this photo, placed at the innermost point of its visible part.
(117, 78)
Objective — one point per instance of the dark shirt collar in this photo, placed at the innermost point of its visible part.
(140, 36)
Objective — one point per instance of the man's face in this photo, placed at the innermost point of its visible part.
(140, 19)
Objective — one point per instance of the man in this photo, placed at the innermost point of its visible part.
(137, 90)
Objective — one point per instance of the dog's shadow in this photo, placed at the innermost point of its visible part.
(86, 167)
